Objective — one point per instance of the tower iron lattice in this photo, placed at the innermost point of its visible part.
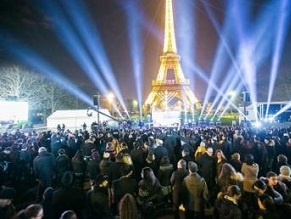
(170, 90)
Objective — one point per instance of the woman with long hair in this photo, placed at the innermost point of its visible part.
(127, 208)
(220, 160)
(229, 176)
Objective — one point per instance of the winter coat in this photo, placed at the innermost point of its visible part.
(44, 168)
(250, 173)
(194, 192)
(226, 209)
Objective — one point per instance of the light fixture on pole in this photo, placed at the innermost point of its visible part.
(96, 101)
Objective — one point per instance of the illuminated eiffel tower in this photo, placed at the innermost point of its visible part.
(171, 90)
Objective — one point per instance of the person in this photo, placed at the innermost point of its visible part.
(260, 187)
(97, 200)
(285, 175)
(194, 193)
(7, 208)
(164, 174)
(206, 165)
(150, 162)
(44, 169)
(88, 145)
(67, 196)
(273, 183)
(69, 214)
(93, 169)
(79, 166)
(63, 164)
(150, 193)
(267, 208)
(46, 203)
(127, 208)
(186, 155)
(227, 203)
(126, 184)
(159, 151)
(176, 179)
(105, 164)
(220, 160)
(281, 160)
(229, 176)
(201, 149)
(33, 211)
(235, 161)
(115, 167)
(250, 171)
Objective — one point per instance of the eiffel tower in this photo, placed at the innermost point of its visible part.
(171, 90)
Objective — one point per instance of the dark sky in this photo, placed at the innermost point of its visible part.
(28, 22)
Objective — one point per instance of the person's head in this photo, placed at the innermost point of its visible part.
(48, 193)
(192, 167)
(185, 152)
(272, 178)
(127, 207)
(147, 174)
(34, 211)
(259, 187)
(42, 150)
(209, 151)
(249, 159)
(219, 154)
(235, 156)
(265, 202)
(165, 161)
(126, 158)
(282, 159)
(68, 214)
(233, 192)
(150, 157)
(159, 142)
(182, 164)
(227, 170)
(285, 170)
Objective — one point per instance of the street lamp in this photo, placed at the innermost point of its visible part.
(96, 101)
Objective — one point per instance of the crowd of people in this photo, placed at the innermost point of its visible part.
(199, 172)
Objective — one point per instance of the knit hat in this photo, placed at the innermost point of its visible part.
(7, 193)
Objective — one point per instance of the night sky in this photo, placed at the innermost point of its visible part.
(28, 22)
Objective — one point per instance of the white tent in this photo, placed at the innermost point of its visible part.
(74, 119)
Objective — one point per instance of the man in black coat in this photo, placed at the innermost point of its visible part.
(44, 169)
(125, 184)
(67, 197)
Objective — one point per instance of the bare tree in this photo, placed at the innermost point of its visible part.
(42, 94)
